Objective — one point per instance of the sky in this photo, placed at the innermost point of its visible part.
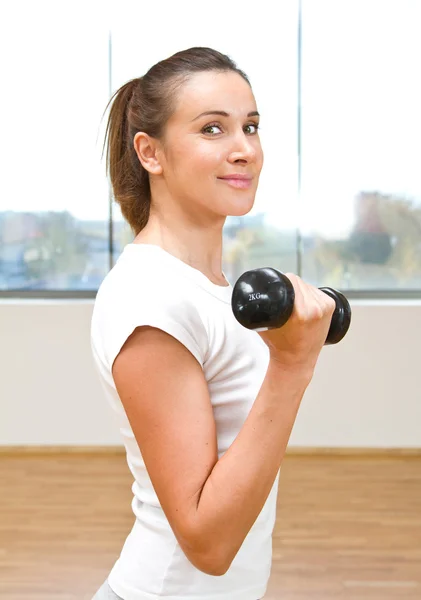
(360, 116)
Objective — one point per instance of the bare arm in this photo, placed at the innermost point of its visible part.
(238, 486)
(211, 505)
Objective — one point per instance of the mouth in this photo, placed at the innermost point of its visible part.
(237, 181)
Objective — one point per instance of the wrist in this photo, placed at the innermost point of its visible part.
(290, 366)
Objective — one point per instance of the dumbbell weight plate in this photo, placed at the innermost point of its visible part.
(263, 296)
(341, 318)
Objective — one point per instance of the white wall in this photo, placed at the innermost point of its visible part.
(365, 393)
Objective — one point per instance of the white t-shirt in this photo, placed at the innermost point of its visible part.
(149, 286)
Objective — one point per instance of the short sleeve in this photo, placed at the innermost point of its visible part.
(117, 317)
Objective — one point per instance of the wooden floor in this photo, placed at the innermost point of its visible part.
(348, 527)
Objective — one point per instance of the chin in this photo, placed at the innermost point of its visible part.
(238, 213)
(239, 208)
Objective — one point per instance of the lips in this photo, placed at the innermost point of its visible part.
(237, 176)
(237, 181)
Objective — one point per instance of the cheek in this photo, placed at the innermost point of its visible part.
(188, 152)
(259, 155)
(209, 154)
(203, 162)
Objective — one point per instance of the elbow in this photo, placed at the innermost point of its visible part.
(212, 567)
(205, 553)
(216, 568)
(216, 561)
(210, 561)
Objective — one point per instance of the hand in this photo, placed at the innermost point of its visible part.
(298, 343)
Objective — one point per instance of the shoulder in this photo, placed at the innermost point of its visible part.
(135, 287)
(129, 298)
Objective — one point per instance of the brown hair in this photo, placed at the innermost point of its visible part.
(146, 104)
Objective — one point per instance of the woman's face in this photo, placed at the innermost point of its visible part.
(201, 152)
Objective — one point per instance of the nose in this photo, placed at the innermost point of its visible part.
(243, 149)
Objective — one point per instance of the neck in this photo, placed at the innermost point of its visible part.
(199, 247)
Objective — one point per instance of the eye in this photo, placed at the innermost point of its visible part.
(210, 127)
(256, 128)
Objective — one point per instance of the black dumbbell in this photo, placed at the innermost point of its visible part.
(264, 299)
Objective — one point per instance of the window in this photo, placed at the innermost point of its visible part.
(339, 198)
(361, 154)
(53, 207)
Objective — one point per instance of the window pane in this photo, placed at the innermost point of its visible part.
(54, 201)
(122, 233)
(361, 153)
(267, 235)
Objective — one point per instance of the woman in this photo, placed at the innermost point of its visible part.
(205, 406)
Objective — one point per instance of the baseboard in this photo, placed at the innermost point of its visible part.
(50, 449)
(352, 451)
(291, 450)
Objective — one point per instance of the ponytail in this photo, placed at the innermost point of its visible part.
(129, 179)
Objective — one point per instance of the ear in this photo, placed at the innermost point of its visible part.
(146, 150)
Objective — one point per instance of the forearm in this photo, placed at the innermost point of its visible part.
(240, 482)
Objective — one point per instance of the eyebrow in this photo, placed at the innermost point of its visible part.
(222, 113)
